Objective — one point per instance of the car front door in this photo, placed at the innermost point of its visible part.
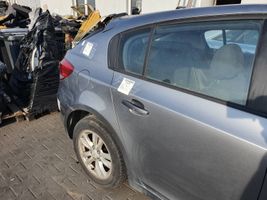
(182, 117)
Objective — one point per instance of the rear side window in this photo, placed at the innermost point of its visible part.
(214, 38)
(213, 58)
(132, 51)
(246, 39)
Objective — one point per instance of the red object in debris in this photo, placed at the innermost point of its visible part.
(65, 68)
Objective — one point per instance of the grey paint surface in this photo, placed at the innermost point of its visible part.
(187, 147)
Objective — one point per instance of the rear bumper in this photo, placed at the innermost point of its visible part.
(64, 115)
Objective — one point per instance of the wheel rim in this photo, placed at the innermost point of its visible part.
(95, 154)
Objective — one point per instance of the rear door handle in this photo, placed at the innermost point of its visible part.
(135, 107)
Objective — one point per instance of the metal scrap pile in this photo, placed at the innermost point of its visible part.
(69, 27)
(15, 15)
(30, 53)
(31, 78)
(35, 78)
(73, 26)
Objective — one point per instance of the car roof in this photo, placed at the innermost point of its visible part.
(127, 22)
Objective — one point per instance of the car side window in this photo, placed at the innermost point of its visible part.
(132, 51)
(214, 38)
(246, 39)
(196, 57)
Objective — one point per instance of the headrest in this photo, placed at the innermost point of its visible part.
(227, 62)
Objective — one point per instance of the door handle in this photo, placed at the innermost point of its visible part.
(135, 107)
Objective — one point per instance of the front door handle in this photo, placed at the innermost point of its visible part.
(135, 107)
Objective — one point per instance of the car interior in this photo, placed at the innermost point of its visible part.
(190, 60)
(133, 54)
(219, 73)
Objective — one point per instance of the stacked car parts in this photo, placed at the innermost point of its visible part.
(35, 78)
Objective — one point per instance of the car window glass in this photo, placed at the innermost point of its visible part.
(133, 46)
(246, 39)
(196, 57)
(214, 38)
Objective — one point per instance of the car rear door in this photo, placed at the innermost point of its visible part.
(188, 129)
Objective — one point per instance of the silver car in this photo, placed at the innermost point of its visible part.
(150, 98)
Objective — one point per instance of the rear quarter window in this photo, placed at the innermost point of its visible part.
(132, 50)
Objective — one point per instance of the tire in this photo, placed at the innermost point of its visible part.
(99, 156)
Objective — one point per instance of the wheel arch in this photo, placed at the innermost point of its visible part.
(82, 111)
(79, 113)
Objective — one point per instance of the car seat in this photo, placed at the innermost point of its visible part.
(165, 58)
(227, 80)
(192, 74)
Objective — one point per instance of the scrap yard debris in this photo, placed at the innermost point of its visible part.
(15, 15)
(30, 51)
(35, 80)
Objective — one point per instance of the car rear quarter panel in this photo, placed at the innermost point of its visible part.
(88, 87)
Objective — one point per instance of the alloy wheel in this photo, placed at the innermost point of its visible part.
(95, 154)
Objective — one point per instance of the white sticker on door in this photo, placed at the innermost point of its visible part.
(126, 86)
(88, 48)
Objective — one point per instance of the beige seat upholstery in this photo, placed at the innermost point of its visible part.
(227, 62)
(191, 75)
(227, 75)
(225, 78)
(165, 58)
